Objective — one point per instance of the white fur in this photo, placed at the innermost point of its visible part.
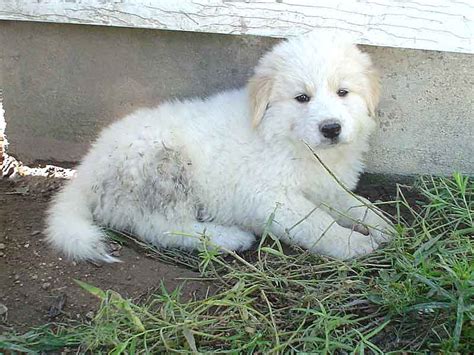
(221, 165)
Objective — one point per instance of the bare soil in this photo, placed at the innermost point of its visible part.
(37, 285)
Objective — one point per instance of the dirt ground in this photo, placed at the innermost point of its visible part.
(36, 284)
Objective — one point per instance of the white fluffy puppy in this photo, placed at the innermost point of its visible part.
(222, 165)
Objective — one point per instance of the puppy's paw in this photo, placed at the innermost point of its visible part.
(380, 229)
(232, 239)
(345, 243)
(357, 244)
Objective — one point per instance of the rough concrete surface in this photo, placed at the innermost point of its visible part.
(63, 83)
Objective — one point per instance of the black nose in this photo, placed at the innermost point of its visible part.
(330, 129)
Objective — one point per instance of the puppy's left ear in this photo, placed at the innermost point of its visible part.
(259, 89)
(373, 92)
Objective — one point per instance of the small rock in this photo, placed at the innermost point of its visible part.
(34, 277)
(2, 253)
(27, 245)
(115, 253)
(16, 277)
(57, 306)
(90, 315)
(95, 263)
(36, 233)
(46, 285)
(2, 246)
(115, 246)
(3, 309)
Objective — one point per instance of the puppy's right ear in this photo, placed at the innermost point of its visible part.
(260, 89)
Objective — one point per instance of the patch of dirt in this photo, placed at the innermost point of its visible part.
(36, 283)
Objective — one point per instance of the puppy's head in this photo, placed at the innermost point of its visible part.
(318, 88)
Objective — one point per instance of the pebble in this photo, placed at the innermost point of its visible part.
(90, 315)
(115, 253)
(46, 285)
(2, 254)
(3, 309)
(115, 246)
(27, 245)
(2, 246)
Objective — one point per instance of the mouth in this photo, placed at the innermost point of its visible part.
(329, 143)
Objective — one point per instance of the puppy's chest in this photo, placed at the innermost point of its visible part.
(319, 182)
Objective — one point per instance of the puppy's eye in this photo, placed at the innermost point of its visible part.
(342, 92)
(302, 98)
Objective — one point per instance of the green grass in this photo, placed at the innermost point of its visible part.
(414, 295)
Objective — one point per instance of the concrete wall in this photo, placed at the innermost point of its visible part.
(63, 83)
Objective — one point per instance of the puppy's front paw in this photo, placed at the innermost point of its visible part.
(346, 243)
(380, 229)
(358, 245)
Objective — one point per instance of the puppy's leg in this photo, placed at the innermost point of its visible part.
(222, 237)
(361, 214)
(298, 221)
(229, 238)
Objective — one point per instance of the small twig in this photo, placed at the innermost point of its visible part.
(375, 210)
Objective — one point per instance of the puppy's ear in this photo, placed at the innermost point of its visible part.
(259, 88)
(373, 92)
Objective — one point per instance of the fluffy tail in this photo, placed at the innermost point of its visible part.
(70, 227)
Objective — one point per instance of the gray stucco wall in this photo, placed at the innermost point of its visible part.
(63, 83)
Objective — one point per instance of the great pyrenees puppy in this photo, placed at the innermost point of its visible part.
(221, 166)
